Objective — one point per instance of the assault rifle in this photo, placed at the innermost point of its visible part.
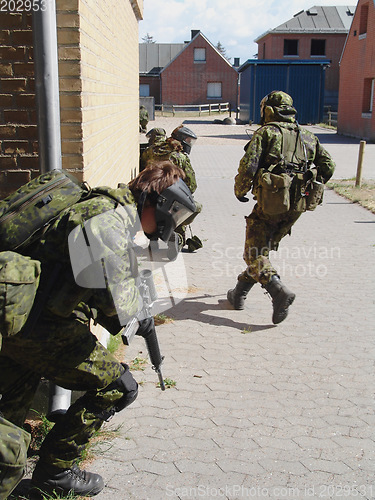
(144, 324)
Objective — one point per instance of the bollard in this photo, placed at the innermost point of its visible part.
(361, 153)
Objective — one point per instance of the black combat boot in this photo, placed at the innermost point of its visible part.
(237, 295)
(67, 481)
(282, 298)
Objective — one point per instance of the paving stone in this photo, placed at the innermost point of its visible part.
(286, 409)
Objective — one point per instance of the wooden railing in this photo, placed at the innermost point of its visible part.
(221, 107)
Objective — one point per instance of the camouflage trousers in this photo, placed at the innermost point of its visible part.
(263, 234)
(66, 353)
(13, 453)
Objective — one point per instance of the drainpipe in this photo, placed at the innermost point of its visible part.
(47, 87)
(49, 134)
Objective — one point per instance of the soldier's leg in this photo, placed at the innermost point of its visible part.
(14, 443)
(258, 243)
(17, 386)
(111, 388)
(256, 257)
(281, 296)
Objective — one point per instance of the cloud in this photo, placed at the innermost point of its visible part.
(235, 23)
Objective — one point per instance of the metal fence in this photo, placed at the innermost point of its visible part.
(221, 107)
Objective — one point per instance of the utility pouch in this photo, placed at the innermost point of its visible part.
(272, 192)
(297, 193)
(314, 195)
(19, 280)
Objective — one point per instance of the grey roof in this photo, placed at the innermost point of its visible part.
(317, 19)
(154, 56)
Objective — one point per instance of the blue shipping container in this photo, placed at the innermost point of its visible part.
(303, 80)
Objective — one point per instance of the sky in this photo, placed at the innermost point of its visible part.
(233, 23)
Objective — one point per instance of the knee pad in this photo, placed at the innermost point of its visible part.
(128, 386)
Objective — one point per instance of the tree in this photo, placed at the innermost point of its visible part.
(148, 38)
(222, 50)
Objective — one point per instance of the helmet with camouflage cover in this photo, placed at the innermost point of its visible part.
(185, 136)
(156, 135)
(277, 106)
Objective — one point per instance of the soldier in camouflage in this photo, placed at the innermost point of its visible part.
(14, 443)
(143, 119)
(177, 149)
(61, 347)
(280, 147)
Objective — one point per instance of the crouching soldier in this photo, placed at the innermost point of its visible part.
(60, 347)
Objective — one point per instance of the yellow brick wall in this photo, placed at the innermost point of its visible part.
(98, 54)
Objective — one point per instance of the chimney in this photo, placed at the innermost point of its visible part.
(194, 33)
(236, 63)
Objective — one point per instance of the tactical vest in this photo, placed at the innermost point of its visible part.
(293, 152)
(282, 186)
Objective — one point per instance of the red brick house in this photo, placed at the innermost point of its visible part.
(198, 74)
(317, 33)
(356, 112)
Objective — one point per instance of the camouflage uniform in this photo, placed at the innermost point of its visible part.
(171, 149)
(14, 443)
(143, 119)
(62, 348)
(264, 232)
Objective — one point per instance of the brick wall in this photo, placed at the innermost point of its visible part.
(357, 65)
(110, 90)
(18, 131)
(99, 93)
(185, 82)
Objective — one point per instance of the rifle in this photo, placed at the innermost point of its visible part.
(146, 327)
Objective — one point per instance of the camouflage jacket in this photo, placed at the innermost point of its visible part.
(265, 149)
(115, 234)
(169, 150)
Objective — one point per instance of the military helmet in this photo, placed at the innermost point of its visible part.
(282, 105)
(185, 136)
(155, 134)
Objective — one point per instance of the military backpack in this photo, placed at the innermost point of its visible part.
(24, 216)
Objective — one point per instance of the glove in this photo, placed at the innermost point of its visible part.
(244, 199)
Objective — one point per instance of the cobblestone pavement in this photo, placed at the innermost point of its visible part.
(258, 410)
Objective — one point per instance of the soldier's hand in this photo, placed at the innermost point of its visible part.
(244, 199)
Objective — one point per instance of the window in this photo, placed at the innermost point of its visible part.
(144, 90)
(318, 47)
(214, 90)
(200, 55)
(368, 96)
(290, 47)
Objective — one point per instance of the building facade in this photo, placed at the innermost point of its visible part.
(195, 73)
(314, 34)
(356, 112)
(99, 92)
